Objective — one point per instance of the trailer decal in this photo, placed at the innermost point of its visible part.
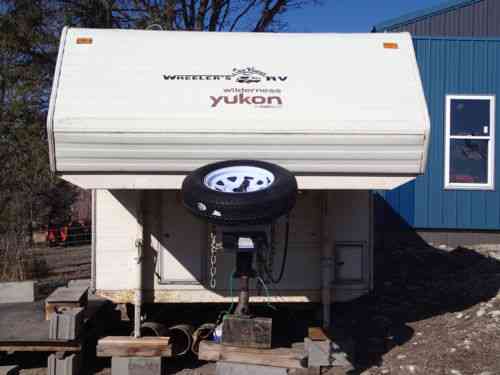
(246, 75)
(260, 101)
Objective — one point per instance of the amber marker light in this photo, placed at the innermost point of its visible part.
(83, 40)
(391, 45)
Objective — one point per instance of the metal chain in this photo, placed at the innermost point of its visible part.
(213, 259)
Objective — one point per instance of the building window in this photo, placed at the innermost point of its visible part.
(469, 142)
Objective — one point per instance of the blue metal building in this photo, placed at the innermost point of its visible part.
(459, 66)
(470, 18)
(461, 77)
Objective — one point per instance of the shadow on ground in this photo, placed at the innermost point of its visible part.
(413, 281)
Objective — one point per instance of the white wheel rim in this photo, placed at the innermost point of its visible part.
(239, 179)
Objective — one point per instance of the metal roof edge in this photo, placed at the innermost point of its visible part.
(458, 38)
(421, 14)
(53, 99)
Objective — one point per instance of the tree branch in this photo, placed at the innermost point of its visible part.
(185, 15)
(217, 6)
(250, 5)
(200, 18)
(226, 13)
(268, 14)
(170, 14)
(192, 8)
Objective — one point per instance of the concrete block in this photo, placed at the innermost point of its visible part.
(327, 353)
(79, 283)
(63, 298)
(67, 365)
(319, 353)
(233, 368)
(66, 325)
(138, 366)
(17, 291)
(9, 370)
(77, 293)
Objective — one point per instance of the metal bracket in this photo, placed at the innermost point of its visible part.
(140, 247)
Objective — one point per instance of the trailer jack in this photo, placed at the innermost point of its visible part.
(241, 328)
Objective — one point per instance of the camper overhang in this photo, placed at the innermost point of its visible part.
(137, 109)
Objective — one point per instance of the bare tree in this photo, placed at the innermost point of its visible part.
(29, 37)
(200, 15)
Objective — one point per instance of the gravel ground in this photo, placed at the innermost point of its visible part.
(432, 312)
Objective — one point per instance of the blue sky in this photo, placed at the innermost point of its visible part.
(352, 15)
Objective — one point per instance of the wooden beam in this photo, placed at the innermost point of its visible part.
(206, 295)
(125, 346)
(317, 334)
(34, 346)
(278, 357)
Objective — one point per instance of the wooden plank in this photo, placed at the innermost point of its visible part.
(317, 334)
(46, 346)
(9, 370)
(278, 357)
(206, 295)
(128, 340)
(125, 346)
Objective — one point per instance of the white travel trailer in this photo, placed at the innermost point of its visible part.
(132, 112)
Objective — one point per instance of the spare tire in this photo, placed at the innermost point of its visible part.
(237, 192)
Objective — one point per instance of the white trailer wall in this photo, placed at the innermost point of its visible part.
(179, 244)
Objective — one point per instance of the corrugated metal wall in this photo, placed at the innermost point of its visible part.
(479, 19)
(450, 66)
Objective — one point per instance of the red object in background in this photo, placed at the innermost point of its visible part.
(74, 233)
(52, 235)
(63, 233)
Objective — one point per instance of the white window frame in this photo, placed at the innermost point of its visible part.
(490, 185)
